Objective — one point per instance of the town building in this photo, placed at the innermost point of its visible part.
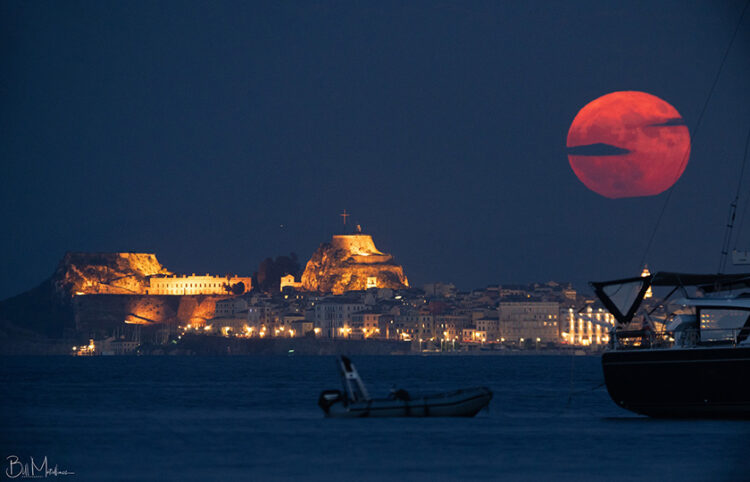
(231, 307)
(472, 335)
(529, 321)
(587, 328)
(415, 325)
(441, 290)
(333, 316)
(490, 327)
(288, 282)
(260, 314)
(450, 326)
(302, 327)
(230, 317)
(365, 324)
(198, 285)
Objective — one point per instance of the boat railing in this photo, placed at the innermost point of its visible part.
(687, 338)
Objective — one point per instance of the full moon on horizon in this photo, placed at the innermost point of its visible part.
(628, 144)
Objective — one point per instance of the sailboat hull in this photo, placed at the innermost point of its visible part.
(681, 383)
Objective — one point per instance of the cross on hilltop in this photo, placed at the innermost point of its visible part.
(344, 215)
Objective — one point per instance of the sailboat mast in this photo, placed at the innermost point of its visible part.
(733, 212)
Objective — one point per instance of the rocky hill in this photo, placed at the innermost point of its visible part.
(105, 273)
(91, 293)
(349, 263)
(37, 312)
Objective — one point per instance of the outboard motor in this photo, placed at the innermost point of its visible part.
(328, 398)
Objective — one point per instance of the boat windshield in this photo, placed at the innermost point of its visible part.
(624, 295)
(719, 324)
(715, 310)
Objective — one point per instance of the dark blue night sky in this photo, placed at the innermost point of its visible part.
(215, 134)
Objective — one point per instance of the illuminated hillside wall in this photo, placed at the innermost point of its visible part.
(349, 263)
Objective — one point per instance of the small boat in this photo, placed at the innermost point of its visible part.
(355, 401)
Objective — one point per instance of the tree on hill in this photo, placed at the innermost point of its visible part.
(270, 271)
(235, 289)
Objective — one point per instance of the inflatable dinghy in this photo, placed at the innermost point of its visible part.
(355, 401)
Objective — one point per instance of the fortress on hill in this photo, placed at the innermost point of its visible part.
(351, 262)
(97, 294)
(137, 274)
(361, 248)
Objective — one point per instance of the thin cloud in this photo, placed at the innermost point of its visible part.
(677, 121)
(598, 149)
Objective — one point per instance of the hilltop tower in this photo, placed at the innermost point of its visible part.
(351, 262)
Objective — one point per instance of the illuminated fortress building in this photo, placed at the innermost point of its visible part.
(137, 274)
(199, 285)
(351, 262)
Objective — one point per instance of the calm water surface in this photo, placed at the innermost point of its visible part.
(256, 418)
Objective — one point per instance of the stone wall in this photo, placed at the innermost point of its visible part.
(355, 244)
(98, 315)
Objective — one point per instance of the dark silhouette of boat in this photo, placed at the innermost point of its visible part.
(697, 364)
(355, 401)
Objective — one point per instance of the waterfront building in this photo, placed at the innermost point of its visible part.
(260, 314)
(301, 327)
(587, 328)
(450, 326)
(472, 335)
(366, 324)
(529, 321)
(490, 327)
(333, 316)
(416, 325)
(230, 317)
(289, 318)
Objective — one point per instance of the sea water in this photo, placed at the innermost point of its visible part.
(256, 418)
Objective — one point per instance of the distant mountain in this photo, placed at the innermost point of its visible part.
(37, 312)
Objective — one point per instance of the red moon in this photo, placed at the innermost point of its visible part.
(628, 144)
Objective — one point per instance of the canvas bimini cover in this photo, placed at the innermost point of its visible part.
(623, 297)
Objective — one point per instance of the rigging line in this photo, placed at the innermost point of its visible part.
(732, 213)
(747, 200)
(742, 219)
(695, 132)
